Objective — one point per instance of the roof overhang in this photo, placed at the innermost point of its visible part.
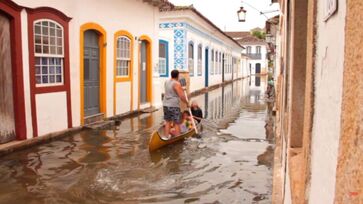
(161, 4)
(196, 12)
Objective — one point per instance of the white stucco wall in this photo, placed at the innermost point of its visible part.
(135, 16)
(26, 82)
(328, 98)
(51, 112)
(244, 70)
(123, 97)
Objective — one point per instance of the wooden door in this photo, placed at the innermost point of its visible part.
(7, 119)
(91, 73)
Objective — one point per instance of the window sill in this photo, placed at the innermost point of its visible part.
(123, 79)
(49, 89)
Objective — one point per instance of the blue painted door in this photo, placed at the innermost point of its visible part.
(206, 67)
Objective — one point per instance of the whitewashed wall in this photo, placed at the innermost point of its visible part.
(327, 103)
(25, 55)
(51, 112)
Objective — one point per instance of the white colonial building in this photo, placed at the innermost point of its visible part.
(189, 41)
(75, 60)
(255, 50)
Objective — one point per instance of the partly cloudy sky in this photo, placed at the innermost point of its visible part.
(223, 13)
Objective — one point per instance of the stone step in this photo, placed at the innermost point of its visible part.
(101, 125)
(149, 110)
(94, 118)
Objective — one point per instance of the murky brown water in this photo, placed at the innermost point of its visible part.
(228, 164)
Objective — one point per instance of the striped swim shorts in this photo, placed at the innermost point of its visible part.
(172, 114)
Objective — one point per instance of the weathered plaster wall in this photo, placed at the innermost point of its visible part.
(349, 183)
(297, 68)
(328, 81)
(309, 99)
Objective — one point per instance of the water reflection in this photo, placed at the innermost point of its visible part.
(230, 163)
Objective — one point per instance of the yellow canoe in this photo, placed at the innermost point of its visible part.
(157, 141)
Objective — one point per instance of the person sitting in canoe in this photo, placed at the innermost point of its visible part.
(196, 111)
(186, 124)
(171, 103)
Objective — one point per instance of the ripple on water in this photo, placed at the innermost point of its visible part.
(230, 163)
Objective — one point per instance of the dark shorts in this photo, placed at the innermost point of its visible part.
(172, 114)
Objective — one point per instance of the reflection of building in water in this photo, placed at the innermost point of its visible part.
(94, 147)
(258, 82)
(253, 93)
(217, 103)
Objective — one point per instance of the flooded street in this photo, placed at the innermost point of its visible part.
(230, 163)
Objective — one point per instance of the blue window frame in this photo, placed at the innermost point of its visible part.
(163, 68)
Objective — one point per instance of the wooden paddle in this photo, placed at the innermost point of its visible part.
(207, 122)
(183, 83)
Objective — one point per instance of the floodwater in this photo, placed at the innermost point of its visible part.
(230, 163)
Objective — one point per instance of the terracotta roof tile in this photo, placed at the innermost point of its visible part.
(245, 37)
(161, 4)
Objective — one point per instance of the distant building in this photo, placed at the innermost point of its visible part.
(255, 50)
(189, 41)
(273, 44)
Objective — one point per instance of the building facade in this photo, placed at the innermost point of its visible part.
(71, 63)
(319, 154)
(190, 42)
(255, 50)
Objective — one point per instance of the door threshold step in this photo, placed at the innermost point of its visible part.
(94, 118)
(95, 115)
(149, 110)
(100, 125)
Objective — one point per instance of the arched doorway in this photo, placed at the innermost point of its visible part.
(93, 72)
(145, 73)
